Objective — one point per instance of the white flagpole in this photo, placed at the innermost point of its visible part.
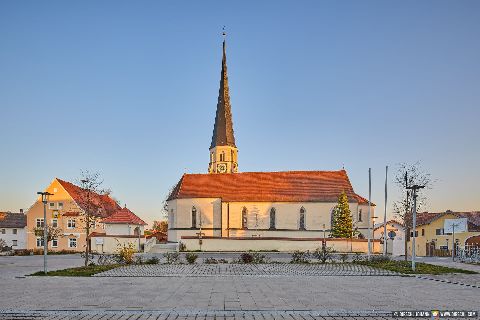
(385, 216)
(369, 235)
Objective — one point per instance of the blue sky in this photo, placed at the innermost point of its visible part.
(129, 89)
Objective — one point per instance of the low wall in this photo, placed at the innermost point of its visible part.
(279, 244)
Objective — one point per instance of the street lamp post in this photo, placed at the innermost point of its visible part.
(414, 222)
(45, 228)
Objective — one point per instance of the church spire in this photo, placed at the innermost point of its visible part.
(223, 151)
(223, 128)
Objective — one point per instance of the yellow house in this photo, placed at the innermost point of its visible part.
(431, 238)
(65, 211)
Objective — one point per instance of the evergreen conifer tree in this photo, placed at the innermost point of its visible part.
(342, 225)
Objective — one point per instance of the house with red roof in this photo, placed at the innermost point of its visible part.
(122, 228)
(225, 209)
(432, 239)
(65, 211)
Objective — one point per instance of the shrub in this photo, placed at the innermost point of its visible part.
(343, 257)
(357, 257)
(210, 261)
(323, 254)
(125, 253)
(222, 260)
(300, 256)
(246, 257)
(172, 257)
(152, 260)
(182, 247)
(259, 258)
(380, 258)
(191, 257)
(139, 260)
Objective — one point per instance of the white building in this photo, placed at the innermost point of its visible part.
(395, 236)
(12, 229)
(122, 228)
(229, 210)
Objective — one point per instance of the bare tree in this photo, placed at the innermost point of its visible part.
(52, 233)
(409, 175)
(91, 184)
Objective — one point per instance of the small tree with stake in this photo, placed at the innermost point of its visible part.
(342, 225)
(409, 175)
(91, 184)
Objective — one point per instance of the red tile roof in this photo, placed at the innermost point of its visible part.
(13, 220)
(105, 205)
(287, 186)
(124, 216)
(473, 218)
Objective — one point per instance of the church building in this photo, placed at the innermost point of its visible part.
(225, 209)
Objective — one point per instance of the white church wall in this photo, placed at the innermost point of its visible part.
(280, 245)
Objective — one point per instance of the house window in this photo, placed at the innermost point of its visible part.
(416, 234)
(172, 219)
(439, 232)
(39, 223)
(14, 231)
(71, 224)
(360, 215)
(302, 219)
(60, 205)
(39, 242)
(14, 243)
(3, 231)
(51, 205)
(272, 218)
(55, 243)
(72, 242)
(423, 232)
(55, 223)
(194, 217)
(244, 218)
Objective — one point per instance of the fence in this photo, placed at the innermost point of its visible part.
(470, 254)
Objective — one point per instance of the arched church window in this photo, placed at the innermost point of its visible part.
(302, 219)
(194, 217)
(136, 231)
(244, 218)
(360, 215)
(272, 218)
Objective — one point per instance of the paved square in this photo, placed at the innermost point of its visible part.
(257, 270)
(256, 296)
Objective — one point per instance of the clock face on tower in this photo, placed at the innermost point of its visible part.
(222, 168)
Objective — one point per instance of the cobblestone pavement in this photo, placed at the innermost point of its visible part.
(216, 270)
(195, 315)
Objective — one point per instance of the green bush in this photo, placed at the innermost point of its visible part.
(182, 247)
(152, 260)
(172, 257)
(210, 261)
(191, 257)
(246, 257)
(259, 258)
(343, 257)
(323, 254)
(299, 256)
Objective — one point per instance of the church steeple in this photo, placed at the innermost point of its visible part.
(223, 151)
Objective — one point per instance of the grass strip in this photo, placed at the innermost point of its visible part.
(76, 272)
(406, 267)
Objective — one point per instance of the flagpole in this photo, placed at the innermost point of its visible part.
(369, 235)
(385, 215)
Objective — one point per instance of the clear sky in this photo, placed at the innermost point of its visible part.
(129, 89)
